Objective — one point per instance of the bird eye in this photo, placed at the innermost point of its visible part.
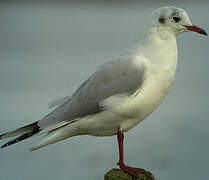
(176, 19)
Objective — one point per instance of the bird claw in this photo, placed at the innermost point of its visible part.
(131, 170)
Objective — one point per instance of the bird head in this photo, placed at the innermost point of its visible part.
(173, 20)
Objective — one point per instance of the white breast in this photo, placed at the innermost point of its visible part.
(127, 111)
(159, 76)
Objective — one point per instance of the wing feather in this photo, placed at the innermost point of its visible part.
(118, 76)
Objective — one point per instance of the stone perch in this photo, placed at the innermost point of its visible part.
(118, 174)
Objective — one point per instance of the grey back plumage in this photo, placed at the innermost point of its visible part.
(118, 76)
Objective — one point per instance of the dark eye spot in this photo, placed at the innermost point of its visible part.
(162, 20)
(176, 19)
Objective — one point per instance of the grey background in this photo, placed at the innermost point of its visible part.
(48, 47)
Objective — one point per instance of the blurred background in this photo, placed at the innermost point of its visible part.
(47, 48)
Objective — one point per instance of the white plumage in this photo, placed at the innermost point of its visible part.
(122, 92)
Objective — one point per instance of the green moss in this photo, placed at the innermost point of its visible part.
(118, 174)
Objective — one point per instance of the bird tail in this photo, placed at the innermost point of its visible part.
(54, 134)
(61, 133)
(24, 132)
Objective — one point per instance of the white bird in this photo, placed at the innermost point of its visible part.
(121, 93)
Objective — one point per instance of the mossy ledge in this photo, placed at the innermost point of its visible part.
(118, 174)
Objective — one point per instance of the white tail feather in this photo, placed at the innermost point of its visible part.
(58, 135)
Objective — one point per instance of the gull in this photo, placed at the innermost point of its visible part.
(120, 93)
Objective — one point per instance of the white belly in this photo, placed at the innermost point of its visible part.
(158, 81)
(127, 112)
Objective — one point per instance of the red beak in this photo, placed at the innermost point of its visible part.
(196, 29)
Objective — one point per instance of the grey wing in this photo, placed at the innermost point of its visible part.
(115, 77)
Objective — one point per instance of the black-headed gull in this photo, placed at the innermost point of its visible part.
(121, 93)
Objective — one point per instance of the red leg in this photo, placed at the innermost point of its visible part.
(130, 170)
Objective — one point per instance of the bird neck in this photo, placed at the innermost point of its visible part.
(161, 49)
(161, 36)
(161, 42)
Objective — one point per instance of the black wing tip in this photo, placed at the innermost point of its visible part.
(12, 142)
(5, 145)
(1, 136)
(21, 138)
